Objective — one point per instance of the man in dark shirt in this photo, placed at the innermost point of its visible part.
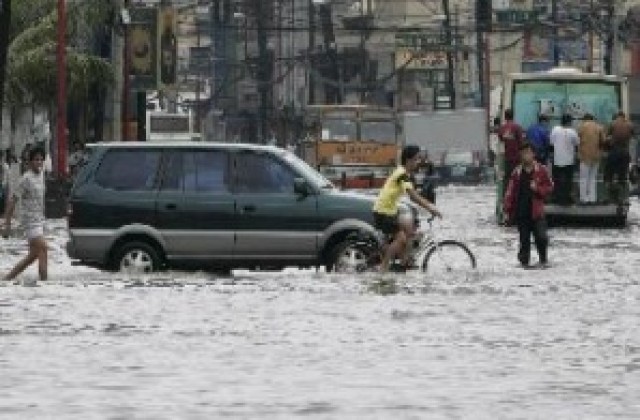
(529, 186)
(512, 136)
(617, 165)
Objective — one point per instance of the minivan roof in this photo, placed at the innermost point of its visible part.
(182, 144)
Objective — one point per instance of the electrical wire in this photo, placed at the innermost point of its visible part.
(384, 10)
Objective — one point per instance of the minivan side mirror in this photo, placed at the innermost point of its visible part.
(301, 187)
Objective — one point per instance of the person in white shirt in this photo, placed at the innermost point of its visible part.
(564, 140)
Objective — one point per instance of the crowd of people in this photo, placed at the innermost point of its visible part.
(540, 164)
(23, 188)
(563, 149)
(13, 167)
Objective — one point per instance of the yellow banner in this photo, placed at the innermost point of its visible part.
(420, 60)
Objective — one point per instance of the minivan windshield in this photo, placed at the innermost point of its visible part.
(311, 175)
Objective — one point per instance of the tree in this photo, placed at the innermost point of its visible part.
(31, 60)
(31, 70)
(15, 17)
(5, 20)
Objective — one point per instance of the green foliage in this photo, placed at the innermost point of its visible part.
(85, 71)
(26, 13)
(32, 75)
(91, 12)
(31, 66)
(34, 36)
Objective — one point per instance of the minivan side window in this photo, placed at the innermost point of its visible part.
(261, 173)
(172, 179)
(196, 171)
(206, 171)
(128, 169)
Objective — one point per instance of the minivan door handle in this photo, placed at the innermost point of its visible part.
(250, 208)
(171, 206)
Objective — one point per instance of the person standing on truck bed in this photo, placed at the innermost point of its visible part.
(617, 164)
(538, 137)
(564, 140)
(512, 136)
(589, 152)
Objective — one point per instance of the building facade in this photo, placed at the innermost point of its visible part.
(257, 68)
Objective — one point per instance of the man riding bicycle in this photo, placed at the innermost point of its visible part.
(385, 209)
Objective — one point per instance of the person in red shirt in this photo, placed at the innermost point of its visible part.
(512, 136)
(528, 187)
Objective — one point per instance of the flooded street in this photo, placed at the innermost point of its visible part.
(558, 343)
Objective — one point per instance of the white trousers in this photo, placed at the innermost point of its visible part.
(588, 182)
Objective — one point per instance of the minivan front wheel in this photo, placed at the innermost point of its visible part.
(137, 258)
(349, 256)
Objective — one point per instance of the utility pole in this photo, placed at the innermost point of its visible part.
(611, 34)
(126, 83)
(590, 43)
(198, 81)
(363, 51)
(554, 20)
(61, 119)
(615, 50)
(483, 15)
(263, 68)
(220, 23)
(5, 20)
(311, 52)
(450, 67)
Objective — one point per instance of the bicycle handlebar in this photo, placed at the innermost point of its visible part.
(417, 210)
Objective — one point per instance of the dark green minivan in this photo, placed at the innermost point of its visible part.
(140, 207)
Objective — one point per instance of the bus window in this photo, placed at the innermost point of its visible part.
(554, 98)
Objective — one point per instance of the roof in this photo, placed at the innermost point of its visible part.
(185, 144)
(566, 73)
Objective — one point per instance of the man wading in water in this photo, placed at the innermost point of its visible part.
(30, 192)
(528, 187)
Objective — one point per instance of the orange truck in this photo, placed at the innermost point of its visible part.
(356, 146)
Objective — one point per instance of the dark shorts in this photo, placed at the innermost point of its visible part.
(387, 224)
(617, 166)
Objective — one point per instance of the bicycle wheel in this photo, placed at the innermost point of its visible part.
(450, 259)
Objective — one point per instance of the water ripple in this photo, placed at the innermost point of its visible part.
(509, 343)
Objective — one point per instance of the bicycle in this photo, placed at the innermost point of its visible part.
(362, 252)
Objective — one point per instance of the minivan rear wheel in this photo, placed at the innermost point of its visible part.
(137, 258)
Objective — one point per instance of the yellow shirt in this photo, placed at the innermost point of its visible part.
(396, 185)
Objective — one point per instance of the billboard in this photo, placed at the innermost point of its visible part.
(538, 48)
(420, 60)
(167, 44)
(141, 48)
